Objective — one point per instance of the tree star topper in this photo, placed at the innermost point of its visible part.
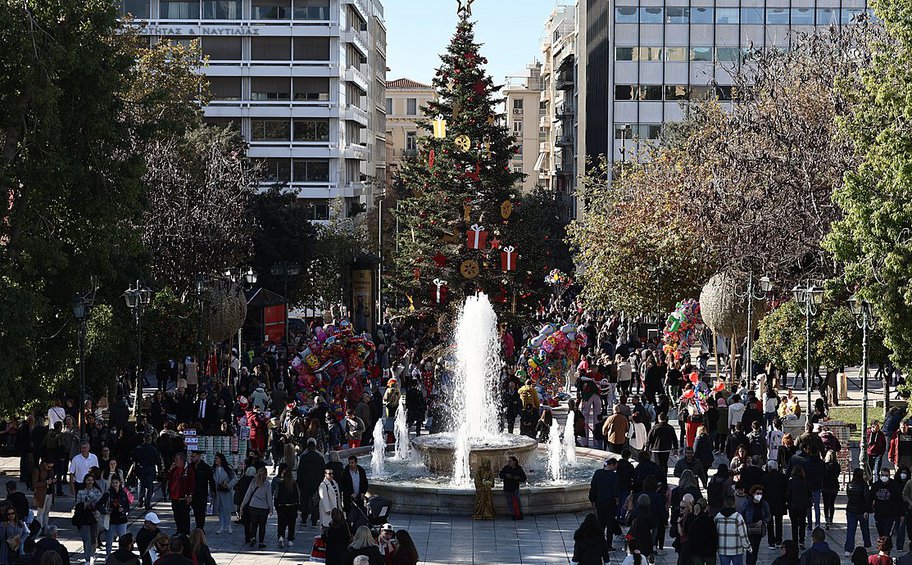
(465, 7)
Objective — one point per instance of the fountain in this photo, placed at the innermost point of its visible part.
(475, 404)
(440, 480)
(570, 440)
(378, 459)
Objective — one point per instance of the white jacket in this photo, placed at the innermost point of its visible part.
(330, 497)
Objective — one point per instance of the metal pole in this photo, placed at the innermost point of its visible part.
(748, 357)
(379, 319)
(863, 456)
(200, 366)
(82, 387)
(807, 352)
(137, 383)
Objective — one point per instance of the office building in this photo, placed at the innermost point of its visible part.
(523, 113)
(303, 80)
(404, 100)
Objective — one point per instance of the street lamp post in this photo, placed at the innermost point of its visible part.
(765, 287)
(248, 278)
(81, 305)
(808, 298)
(137, 299)
(864, 315)
(286, 270)
(201, 285)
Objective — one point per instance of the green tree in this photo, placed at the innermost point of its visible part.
(873, 240)
(169, 327)
(468, 170)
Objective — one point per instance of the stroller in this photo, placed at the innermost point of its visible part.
(375, 512)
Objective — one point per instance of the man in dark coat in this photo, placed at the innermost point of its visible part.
(49, 543)
(120, 413)
(205, 483)
(774, 484)
(354, 486)
(819, 553)
(645, 468)
(310, 474)
(512, 476)
(604, 494)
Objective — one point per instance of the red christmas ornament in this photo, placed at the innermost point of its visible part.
(508, 257)
(431, 157)
(495, 243)
(479, 87)
(439, 291)
(440, 260)
(476, 237)
(417, 273)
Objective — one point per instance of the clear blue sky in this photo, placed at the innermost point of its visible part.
(419, 30)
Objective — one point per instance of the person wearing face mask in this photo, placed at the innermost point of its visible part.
(886, 500)
(900, 452)
(756, 513)
(907, 507)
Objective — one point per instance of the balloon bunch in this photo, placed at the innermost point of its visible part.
(558, 280)
(548, 356)
(696, 396)
(334, 365)
(682, 328)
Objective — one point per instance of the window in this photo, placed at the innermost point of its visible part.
(309, 170)
(225, 88)
(676, 92)
(179, 9)
(311, 10)
(676, 54)
(802, 16)
(518, 104)
(624, 54)
(701, 15)
(270, 88)
(312, 89)
(726, 15)
(724, 92)
(650, 15)
(311, 49)
(270, 130)
(777, 16)
(137, 8)
(311, 130)
(623, 131)
(184, 41)
(411, 142)
(625, 15)
(849, 15)
(519, 149)
(701, 54)
(411, 106)
(222, 123)
(222, 48)
(517, 128)
(271, 9)
(650, 53)
(701, 92)
(677, 15)
(827, 16)
(276, 170)
(751, 15)
(320, 211)
(517, 169)
(389, 106)
(624, 91)
(270, 48)
(221, 9)
(728, 54)
(650, 92)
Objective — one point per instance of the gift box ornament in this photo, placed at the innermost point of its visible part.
(439, 291)
(508, 258)
(476, 237)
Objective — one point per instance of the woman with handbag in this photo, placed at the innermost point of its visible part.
(257, 504)
(225, 479)
(287, 503)
(116, 505)
(85, 518)
(14, 532)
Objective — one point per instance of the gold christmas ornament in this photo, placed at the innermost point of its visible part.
(440, 128)
(469, 268)
(506, 209)
(463, 142)
(467, 212)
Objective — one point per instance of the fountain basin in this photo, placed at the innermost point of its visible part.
(439, 451)
(434, 495)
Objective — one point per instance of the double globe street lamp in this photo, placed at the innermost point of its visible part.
(765, 287)
(82, 304)
(808, 298)
(864, 316)
(137, 300)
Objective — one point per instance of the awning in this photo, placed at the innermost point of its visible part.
(539, 161)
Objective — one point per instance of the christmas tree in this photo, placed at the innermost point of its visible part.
(455, 235)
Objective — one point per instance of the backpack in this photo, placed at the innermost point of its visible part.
(756, 445)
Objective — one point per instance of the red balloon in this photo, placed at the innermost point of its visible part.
(719, 386)
(688, 393)
(694, 377)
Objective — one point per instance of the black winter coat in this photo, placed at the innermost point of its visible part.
(774, 487)
(797, 495)
(858, 498)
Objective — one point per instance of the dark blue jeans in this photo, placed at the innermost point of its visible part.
(853, 520)
(884, 525)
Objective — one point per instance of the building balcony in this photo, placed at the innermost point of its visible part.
(355, 151)
(357, 76)
(564, 111)
(361, 7)
(565, 81)
(355, 114)
(565, 140)
(356, 38)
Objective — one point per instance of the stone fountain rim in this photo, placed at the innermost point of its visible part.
(524, 443)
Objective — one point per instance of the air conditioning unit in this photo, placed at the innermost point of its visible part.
(518, 111)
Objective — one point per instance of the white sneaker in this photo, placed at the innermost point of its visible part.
(230, 530)
(290, 543)
(220, 530)
(281, 542)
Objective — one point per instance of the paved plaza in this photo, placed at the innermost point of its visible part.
(441, 540)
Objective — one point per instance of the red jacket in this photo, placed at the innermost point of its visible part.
(181, 482)
(893, 454)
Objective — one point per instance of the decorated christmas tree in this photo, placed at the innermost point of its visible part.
(456, 235)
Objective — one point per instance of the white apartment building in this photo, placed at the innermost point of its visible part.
(524, 116)
(303, 80)
(404, 100)
(556, 164)
(641, 61)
